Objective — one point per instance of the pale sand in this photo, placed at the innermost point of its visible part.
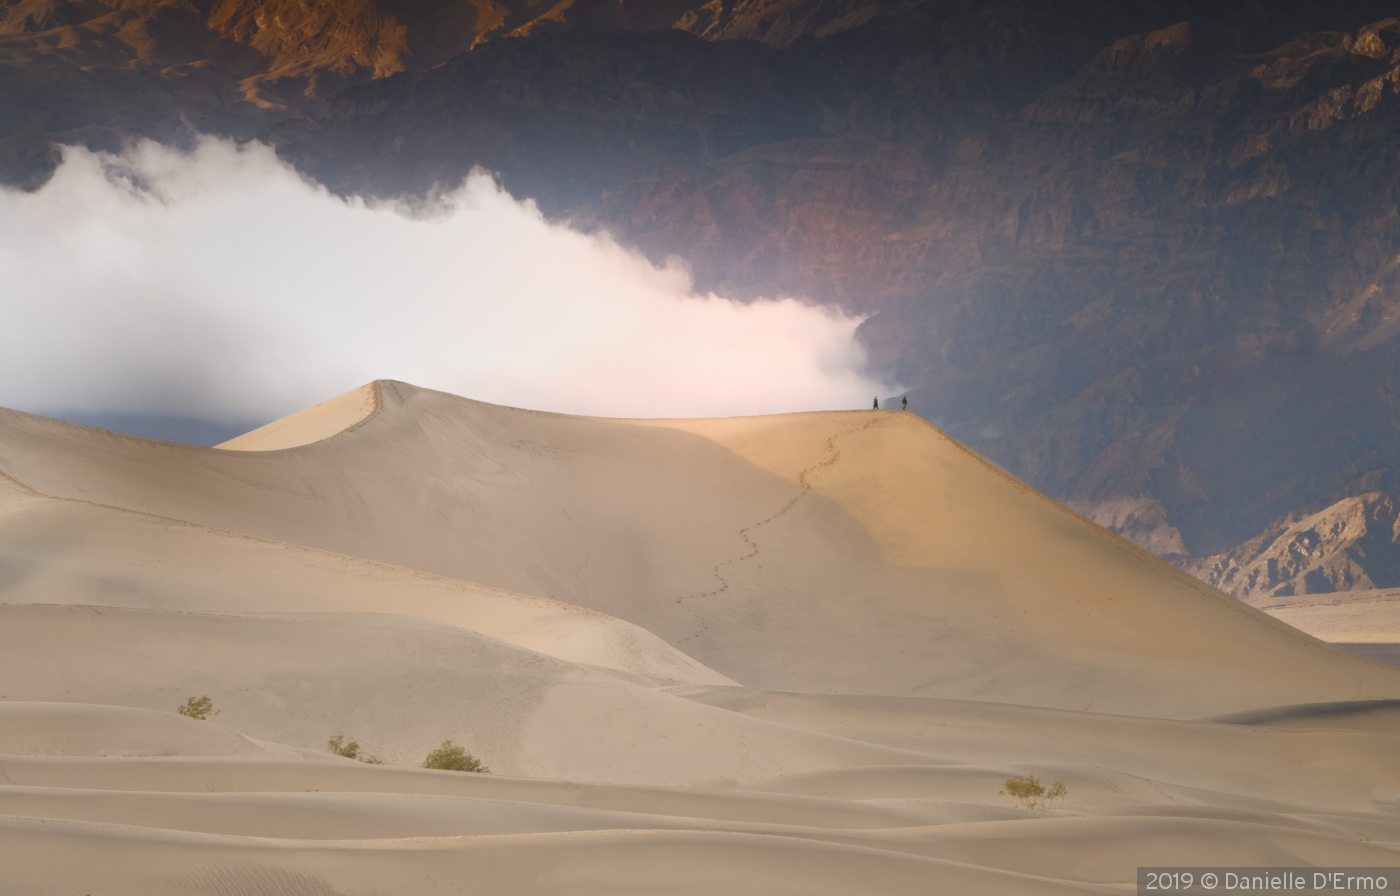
(658, 635)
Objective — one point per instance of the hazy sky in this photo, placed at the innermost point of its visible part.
(219, 284)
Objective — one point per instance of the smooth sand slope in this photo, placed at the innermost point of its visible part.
(766, 655)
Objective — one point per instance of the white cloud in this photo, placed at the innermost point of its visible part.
(219, 284)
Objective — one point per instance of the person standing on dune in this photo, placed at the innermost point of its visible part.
(877, 402)
(904, 402)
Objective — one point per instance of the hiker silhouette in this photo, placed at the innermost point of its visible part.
(905, 402)
(877, 404)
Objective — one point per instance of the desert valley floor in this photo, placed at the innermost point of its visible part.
(796, 654)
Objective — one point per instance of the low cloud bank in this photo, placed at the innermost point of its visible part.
(219, 284)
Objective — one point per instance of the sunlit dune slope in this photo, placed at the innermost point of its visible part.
(329, 418)
(862, 552)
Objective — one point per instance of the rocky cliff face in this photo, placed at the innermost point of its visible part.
(1352, 545)
(1143, 255)
(780, 22)
(96, 71)
(315, 47)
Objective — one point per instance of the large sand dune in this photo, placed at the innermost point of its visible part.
(783, 552)
(783, 654)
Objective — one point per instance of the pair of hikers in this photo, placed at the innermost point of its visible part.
(904, 402)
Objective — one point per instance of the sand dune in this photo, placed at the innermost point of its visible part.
(782, 552)
(400, 686)
(1245, 761)
(1359, 715)
(74, 552)
(784, 654)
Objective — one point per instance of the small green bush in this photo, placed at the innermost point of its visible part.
(453, 758)
(1029, 793)
(337, 745)
(198, 708)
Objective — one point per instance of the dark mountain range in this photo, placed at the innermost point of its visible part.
(1143, 255)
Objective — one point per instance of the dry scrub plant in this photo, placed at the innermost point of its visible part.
(198, 708)
(351, 750)
(453, 758)
(1029, 793)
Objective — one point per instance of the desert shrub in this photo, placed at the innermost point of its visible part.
(1029, 793)
(198, 708)
(337, 745)
(453, 758)
(1023, 791)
